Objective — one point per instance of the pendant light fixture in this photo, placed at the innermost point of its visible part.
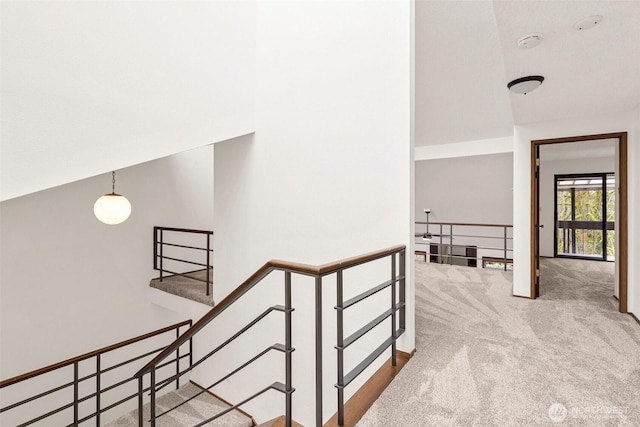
(525, 85)
(112, 208)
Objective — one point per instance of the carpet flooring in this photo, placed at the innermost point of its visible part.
(201, 408)
(186, 287)
(485, 358)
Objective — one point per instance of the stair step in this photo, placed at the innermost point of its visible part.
(197, 410)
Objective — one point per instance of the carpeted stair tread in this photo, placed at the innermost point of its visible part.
(189, 414)
(185, 287)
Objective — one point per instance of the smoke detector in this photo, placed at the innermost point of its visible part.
(529, 41)
(587, 23)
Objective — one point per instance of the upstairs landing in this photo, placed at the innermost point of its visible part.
(186, 287)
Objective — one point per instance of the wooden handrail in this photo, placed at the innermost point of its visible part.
(470, 224)
(89, 355)
(250, 282)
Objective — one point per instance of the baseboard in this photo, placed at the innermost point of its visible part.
(520, 296)
(634, 316)
(253, 421)
(362, 400)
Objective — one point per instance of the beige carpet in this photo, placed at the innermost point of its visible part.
(485, 358)
(185, 287)
(189, 414)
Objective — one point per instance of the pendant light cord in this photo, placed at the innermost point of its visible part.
(113, 182)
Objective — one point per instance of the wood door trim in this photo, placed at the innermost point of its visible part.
(622, 207)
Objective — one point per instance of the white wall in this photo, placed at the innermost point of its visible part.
(478, 147)
(70, 284)
(88, 87)
(524, 134)
(548, 170)
(328, 173)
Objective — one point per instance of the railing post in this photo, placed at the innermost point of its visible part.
(161, 252)
(208, 261)
(318, 301)
(440, 248)
(177, 361)
(152, 392)
(403, 290)
(155, 247)
(98, 390)
(288, 348)
(393, 306)
(505, 248)
(451, 244)
(140, 400)
(340, 344)
(75, 393)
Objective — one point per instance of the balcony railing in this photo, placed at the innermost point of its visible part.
(189, 252)
(465, 243)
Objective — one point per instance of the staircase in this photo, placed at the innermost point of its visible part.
(198, 408)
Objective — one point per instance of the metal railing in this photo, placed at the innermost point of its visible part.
(79, 382)
(442, 240)
(159, 257)
(318, 273)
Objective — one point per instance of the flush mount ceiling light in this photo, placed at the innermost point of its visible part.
(587, 23)
(524, 85)
(529, 41)
(112, 208)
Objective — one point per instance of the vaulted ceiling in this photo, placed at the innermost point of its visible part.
(466, 53)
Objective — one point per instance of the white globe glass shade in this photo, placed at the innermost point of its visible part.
(112, 209)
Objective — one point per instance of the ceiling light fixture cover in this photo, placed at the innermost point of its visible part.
(112, 208)
(525, 85)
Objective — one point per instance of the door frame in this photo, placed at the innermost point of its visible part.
(621, 205)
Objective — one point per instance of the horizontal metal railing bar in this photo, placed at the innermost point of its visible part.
(446, 245)
(585, 225)
(183, 230)
(183, 246)
(91, 354)
(69, 384)
(182, 260)
(369, 326)
(467, 224)
(255, 278)
(168, 381)
(278, 347)
(113, 405)
(184, 275)
(353, 374)
(237, 334)
(459, 256)
(48, 414)
(275, 386)
(32, 398)
(348, 303)
(448, 236)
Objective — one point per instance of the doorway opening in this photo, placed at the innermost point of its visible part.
(595, 235)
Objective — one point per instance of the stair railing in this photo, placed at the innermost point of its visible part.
(159, 257)
(99, 364)
(318, 273)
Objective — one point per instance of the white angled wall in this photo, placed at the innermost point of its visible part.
(328, 173)
(88, 87)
